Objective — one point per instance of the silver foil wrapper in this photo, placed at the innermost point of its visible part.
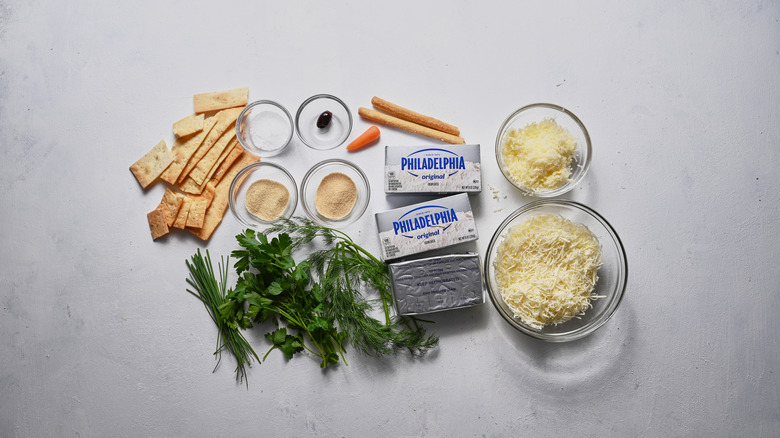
(437, 283)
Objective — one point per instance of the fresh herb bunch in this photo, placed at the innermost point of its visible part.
(213, 294)
(344, 269)
(275, 288)
(320, 300)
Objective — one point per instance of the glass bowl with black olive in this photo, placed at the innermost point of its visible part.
(323, 122)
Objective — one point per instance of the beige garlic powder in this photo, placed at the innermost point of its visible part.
(267, 199)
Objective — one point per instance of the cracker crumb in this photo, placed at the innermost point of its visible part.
(495, 192)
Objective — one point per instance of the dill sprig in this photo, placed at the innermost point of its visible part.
(213, 294)
(344, 270)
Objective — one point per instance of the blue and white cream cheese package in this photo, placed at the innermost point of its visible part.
(425, 226)
(433, 169)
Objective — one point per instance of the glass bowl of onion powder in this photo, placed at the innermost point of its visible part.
(335, 193)
(261, 194)
(556, 270)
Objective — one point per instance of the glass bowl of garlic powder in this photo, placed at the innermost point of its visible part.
(543, 149)
(556, 270)
(261, 194)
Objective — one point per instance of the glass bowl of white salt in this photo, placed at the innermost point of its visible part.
(264, 128)
(261, 194)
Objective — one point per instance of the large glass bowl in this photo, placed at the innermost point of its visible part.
(611, 284)
(538, 112)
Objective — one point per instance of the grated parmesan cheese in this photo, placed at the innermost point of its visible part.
(546, 269)
(539, 156)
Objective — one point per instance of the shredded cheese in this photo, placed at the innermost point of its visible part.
(546, 269)
(539, 156)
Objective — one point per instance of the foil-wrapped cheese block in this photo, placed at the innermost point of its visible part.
(437, 283)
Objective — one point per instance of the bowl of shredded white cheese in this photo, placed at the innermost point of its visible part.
(556, 270)
(543, 149)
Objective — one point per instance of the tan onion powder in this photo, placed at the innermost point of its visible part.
(336, 196)
(267, 199)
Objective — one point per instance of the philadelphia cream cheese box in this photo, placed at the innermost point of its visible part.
(433, 169)
(425, 226)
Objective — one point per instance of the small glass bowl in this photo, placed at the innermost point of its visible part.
(245, 178)
(611, 284)
(335, 134)
(538, 112)
(311, 182)
(264, 128)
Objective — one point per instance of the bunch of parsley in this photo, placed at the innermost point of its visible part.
(273, 288)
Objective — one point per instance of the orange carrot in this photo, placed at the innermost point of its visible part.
(366, 138)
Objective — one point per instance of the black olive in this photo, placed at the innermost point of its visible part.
(324, 119)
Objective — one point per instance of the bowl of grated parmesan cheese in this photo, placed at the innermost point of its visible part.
(556, 270)
(543, 149)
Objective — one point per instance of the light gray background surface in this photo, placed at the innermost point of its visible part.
(99, 338)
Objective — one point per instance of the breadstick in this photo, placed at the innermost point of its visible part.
(412, 116)
(376, 116)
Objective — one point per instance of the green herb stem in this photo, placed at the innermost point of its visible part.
(213, 294)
